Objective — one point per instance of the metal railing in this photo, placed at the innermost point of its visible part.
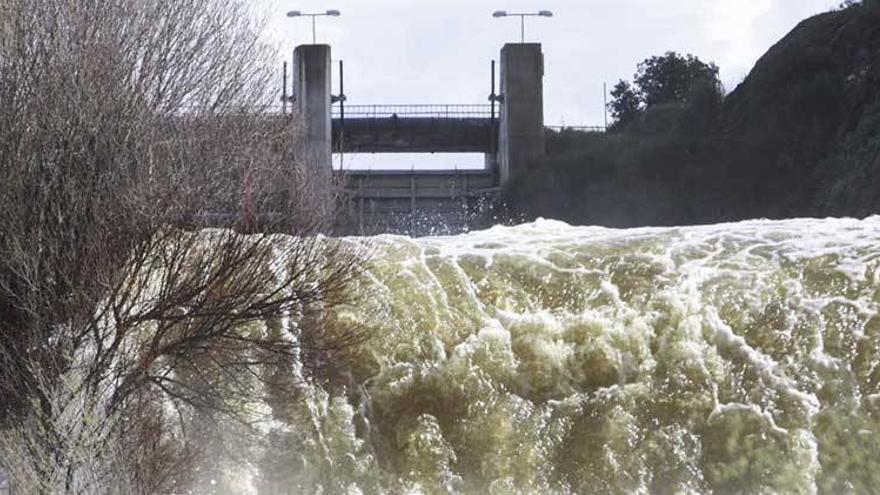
(577, 128)
(415, 111)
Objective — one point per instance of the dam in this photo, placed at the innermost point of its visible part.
(509, 131)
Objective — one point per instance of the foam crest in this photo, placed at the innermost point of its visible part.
(546, 358)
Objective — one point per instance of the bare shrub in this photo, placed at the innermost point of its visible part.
(125, 127)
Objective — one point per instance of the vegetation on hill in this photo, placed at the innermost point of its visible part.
(671, 80)
(799, 137)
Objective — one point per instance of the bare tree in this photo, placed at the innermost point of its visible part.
(125, 127)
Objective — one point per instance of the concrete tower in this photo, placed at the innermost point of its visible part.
(312, 90)
(521, 133)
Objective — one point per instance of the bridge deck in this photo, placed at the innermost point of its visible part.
(415, 135)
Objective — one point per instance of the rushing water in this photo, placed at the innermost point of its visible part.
(546, 358)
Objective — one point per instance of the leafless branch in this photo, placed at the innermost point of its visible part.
(126, 128)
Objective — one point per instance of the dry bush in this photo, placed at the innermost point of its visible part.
(125, 127)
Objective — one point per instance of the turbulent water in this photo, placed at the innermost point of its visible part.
(546, 358)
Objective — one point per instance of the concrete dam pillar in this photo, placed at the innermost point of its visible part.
(312, 90)
(521, 132)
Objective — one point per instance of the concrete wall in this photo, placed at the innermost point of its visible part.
(415, 203)
(312, 90)
(521, 135)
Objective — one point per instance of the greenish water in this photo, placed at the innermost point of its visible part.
(545, 358)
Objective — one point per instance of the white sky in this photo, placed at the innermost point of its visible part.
(433, 51)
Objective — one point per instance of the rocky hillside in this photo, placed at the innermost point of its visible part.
(799, 137)
(812, 105)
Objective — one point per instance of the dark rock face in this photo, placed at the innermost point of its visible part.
(812, 103)
(799, 137)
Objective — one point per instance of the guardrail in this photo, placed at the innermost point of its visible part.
(415, 111)
(577, 128)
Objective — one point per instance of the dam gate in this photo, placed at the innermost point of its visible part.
(509, 131)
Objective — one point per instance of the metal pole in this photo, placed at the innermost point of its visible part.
(341, 114)
(284, 92)
(522, 28)
(605, 94)
(492, 96)
(314, 35)
(493, 145)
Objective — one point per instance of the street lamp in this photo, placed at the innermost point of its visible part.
(522, 18)
(329, 13)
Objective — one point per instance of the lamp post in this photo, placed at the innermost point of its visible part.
(329, 13)
(522, 18)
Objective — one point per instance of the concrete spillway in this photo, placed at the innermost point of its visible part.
(415, 202)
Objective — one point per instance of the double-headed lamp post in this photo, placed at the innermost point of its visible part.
(522, 18)
(329, 13)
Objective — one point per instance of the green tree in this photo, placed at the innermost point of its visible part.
(626, 104)
(673, 78)
(662, 80)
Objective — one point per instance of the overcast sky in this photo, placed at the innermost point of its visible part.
(439, 51)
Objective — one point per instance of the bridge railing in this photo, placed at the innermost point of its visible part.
(416, 111)
(577, 128)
